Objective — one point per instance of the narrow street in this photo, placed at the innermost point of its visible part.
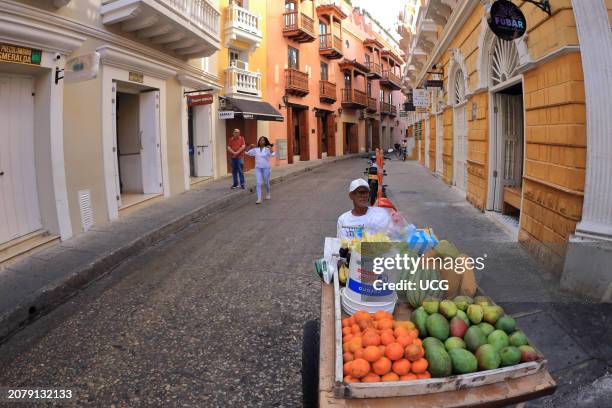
(213, 316)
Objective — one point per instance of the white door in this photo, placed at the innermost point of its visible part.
(508, 158)
(115, 144)
(150, 139)
(427, 136)
(19, 210)
(202, 140)
(460, 146)
(439, 144)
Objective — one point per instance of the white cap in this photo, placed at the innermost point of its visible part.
(355, 184)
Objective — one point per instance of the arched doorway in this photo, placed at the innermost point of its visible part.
(460, 129)
(507, 131)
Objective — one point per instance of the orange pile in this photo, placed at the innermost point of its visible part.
(377, 348)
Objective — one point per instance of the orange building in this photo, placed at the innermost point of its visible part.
(335, 79)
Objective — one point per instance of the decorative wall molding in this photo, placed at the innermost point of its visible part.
(22, 30)
(12, 10)
(120, 58)
(194, 82)
(456, 63)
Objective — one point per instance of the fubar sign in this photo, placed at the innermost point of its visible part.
(506, 20)
(20, 55)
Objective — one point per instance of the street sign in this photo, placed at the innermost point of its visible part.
(136, 77)
(420, 98)
(204, 99)
(506, 20)
(434, 83)
(19, 55)
(226, 115)
(82, 67)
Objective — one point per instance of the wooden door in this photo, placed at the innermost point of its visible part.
(354, 139)
(320, 137)
(290, 135)
(331, 135)
(304, 136)
(376, 135)
(19, 209)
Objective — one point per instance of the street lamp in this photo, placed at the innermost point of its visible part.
(339, 111)
(285, 101)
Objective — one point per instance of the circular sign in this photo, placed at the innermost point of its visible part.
(506, 20)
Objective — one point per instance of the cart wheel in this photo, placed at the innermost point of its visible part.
(310, 364)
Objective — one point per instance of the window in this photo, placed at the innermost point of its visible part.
(290, 5)
(239, 3)
(324, 72)
(390, 98)
(367, 58)
(382, 95)
(347, 80)
(322, 28)
(369, 88)
(294, 58)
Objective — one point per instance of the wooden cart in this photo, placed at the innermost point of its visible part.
(322, 388)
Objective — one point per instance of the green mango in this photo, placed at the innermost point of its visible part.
(498, 339)
(474, 338)
(488, 357)
(454, 342)
(506, 323)
(510, 356)
(463, 361)
(475, 313)
(438, 327)
(462, 302)
(419, 318)
(518, 339)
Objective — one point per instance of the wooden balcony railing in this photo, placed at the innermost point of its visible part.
(298, 26)
(390, 77)
(372, 105)
(296, 82)
(327, 41)
(352, 97)
(385, 108)
(393, 111)
(375, 68)
(327, 91)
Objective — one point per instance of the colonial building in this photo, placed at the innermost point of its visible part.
(335, 76)
(87, 139)
(522, 127)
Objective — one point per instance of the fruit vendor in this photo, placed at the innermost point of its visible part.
(362, 217)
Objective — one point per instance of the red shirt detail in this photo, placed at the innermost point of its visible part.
(236, 143)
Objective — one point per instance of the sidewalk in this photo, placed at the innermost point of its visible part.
(43, 281)
(573, 334)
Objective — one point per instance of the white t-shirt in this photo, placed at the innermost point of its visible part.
(374, 220)
(262, 157)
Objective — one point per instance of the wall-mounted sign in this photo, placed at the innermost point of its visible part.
(136, 77)
(226, 115)
(204, 99)
(506, 20)
(82, 68)
(19, 55)
(434, 83)
(420, 98)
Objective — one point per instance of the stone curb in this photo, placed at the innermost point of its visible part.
(57, 292)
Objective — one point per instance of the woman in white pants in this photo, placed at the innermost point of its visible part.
(262, 154)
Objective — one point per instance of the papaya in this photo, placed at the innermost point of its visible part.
(437, 326)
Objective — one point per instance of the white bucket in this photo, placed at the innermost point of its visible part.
(351, 306)
(360, 284)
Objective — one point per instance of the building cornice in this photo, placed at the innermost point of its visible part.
(455, 23)
(120, 58)
(12, 10)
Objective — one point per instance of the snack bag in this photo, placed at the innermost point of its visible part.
(420, 240)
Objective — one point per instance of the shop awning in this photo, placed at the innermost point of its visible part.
(254, 110)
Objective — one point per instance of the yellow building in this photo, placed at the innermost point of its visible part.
(513, 128)
(91, 137)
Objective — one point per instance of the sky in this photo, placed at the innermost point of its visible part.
(385, 11)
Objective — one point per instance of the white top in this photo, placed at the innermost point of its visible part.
(350, 226)
(262, 157)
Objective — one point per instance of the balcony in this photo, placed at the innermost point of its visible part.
(298, 27)
(241, 82)
(372, 105)
(296, 82)
(189, 28)
(354, 99)
(393, 111)
(330, 46)
(60, 3)
(327, 92)
(242, 25)
(391, 80)
(385, 108)
(375, 70)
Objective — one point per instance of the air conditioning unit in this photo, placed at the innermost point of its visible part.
(240, 65)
